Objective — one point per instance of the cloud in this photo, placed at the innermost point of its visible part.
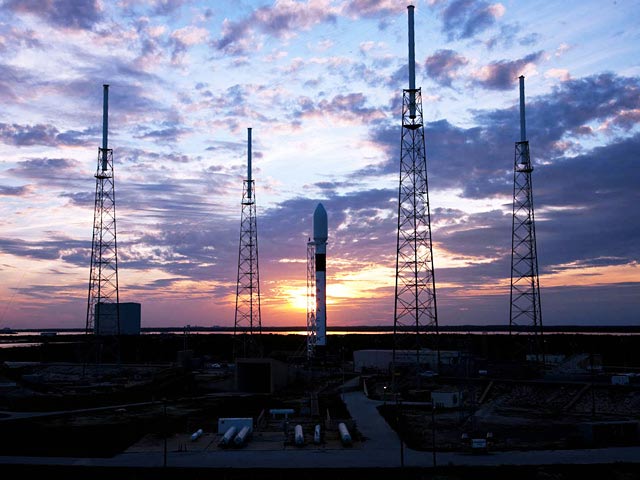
(15, 39)
(69, 250)
(467, 18)
(12, 81)
(8, 191)
(74, 15)
(184, 38)
(503, 74)
(350, 106)
(380, 9)
(29, 135)
(282, 20)
(169, 133)
(443, 65)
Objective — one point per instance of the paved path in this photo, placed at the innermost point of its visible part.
(381, 448)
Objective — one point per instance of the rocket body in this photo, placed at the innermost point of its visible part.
(320, 235)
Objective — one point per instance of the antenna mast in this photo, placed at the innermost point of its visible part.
(415, 313)
(103, 305)
(524, 312)
(248, 323)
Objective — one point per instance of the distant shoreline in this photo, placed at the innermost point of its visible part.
(360, 329)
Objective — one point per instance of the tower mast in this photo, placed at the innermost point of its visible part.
(524, 312)
(103, 305)
(248, 323)
(415, 312)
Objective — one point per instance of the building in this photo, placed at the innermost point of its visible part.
(381, 360)
(106, 319)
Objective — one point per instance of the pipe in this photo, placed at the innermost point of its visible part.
(412, 64)
(105, 125)
(523, 128)
(249, 163)
(196, 435)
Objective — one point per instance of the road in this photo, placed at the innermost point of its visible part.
(380, 448)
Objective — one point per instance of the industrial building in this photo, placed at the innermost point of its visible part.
(107, 314)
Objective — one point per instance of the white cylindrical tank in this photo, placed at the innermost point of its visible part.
(196, 435)
(345, 436)
(298, 437)
(316, 435)
(228, 436)
(242, 437)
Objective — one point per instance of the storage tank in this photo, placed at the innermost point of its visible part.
(316, 435)
(345, 436)
(228, 436)
(242, 437)
(196, 435)
(298, 437)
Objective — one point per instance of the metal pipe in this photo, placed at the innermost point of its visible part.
(412, 63)
(105, 125)
(523, 128)
(249, 162)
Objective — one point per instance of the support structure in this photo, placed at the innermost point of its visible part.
(103, 312)
(415, 312)
(248, 323)
(312, 331)
(525, 314)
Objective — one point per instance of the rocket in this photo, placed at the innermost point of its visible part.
(320, 235)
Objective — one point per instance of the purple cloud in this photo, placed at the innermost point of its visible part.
(443, 65)
(29, 135)
(466, 18)
(503, 75)
(280, 20)
(75, 15)
(7, 191)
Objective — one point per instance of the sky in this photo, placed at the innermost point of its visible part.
(320, 84)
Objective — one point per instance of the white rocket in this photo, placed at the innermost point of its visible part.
(320, 235)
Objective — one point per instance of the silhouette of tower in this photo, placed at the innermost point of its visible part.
(248, 324)
(103, 305)
(415, 313)
(524, 313)
(311, 299)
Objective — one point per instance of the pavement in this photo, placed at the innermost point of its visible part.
(380, 447)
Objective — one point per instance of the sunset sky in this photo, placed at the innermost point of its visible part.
(320, 83)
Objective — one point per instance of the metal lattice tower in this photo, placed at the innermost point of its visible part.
(248, 324)
(415, 313)
(525, 312)
(103, 312)
(312, 330)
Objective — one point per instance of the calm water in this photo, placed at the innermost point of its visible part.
(23, 338)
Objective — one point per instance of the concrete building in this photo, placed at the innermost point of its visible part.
(106, 319)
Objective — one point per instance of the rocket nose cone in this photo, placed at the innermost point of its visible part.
(320, 224)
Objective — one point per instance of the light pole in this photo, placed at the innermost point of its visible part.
(433, 432)
(398, 421)
(384, 394)
(164, 415)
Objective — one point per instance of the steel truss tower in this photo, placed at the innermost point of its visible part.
(312, 330)
(415, 313)
(525, 313)
(103, 305)
(248, 324)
